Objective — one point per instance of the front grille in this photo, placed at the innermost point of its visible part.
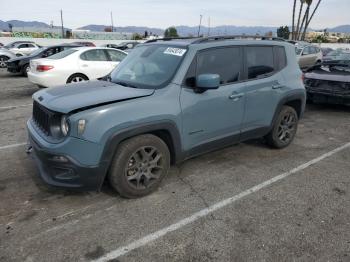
(42, 117)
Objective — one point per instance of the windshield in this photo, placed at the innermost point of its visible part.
(298, 51)
(149, 66)
(62, 54)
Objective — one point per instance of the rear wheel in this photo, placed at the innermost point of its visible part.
(76, 78)
(3, 61)
(25, 70)
(284, 129)
(139, 166)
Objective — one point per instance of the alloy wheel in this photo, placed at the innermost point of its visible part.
(287, 127)
(3, 62)
(77, 79)
(144, 167)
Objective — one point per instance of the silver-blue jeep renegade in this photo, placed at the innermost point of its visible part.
(168, 100)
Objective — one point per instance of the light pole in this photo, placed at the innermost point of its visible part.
(200, 24)
(112, 28)
(62, 24)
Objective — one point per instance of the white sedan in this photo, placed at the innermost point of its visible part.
(74, 65)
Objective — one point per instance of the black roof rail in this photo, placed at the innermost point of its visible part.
(169, 39)
(198, 40)
(237, 37)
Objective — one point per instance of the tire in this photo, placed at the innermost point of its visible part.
(284, 129)
(25, 69)
(3, 60)
(76, 78)
(139, 165)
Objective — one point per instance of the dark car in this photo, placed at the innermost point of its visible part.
(21, 64)
(84, 43)
(329, 82)
(125, 46)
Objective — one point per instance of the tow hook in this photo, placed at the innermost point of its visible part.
(29, 149)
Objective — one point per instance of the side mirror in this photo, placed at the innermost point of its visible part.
(208, 81)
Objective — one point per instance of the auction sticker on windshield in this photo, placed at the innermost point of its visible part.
(175, 51)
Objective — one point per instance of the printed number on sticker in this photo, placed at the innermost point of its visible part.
(175, 51)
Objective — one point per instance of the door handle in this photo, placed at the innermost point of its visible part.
(84, 65)
(277, 86)
(236, 97)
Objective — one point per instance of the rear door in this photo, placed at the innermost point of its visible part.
(94, 63)
(264, 85)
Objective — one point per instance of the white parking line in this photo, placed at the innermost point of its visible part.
(11, 146)
(204, 212)
(10, 107)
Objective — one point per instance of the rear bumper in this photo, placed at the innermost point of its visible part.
(322, 97)
(61, 170)
(13, 68)
(44, 79)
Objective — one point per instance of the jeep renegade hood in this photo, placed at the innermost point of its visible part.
(65, 99)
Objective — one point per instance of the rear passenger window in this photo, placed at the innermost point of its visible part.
(94, 55)
(280, 58)
(259, 60)
(225, 62)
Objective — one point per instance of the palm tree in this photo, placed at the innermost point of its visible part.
(293, 20)
(308, 21)
(302, 2)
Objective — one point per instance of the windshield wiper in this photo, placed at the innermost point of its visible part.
(125, 84)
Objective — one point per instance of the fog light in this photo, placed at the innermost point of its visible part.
(81, 126)
(61, 159)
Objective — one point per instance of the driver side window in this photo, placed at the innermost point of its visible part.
(306, 51)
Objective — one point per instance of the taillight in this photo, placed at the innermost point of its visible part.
(303, 77)
(43, 68)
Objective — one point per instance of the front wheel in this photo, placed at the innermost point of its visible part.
(139, 165)
(3, 61)
(284, 129)
(25, 70)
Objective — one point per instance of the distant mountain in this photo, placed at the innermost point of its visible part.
(19, 23)
(340, 29)
(129, 29)
(225, 30)
(182, 29)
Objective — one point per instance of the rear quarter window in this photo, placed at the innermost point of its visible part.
(280, 58)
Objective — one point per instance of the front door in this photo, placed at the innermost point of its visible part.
(214, 116)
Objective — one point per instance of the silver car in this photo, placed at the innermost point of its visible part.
(308, 55)
(21, 49)
(4, 56)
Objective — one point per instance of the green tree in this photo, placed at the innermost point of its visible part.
(283, 32)
(136, 36)
(320, 39)
(171, 32)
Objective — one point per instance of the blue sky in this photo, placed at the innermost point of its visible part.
(163, 13)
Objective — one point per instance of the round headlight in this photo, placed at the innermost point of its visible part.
(64, 125)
